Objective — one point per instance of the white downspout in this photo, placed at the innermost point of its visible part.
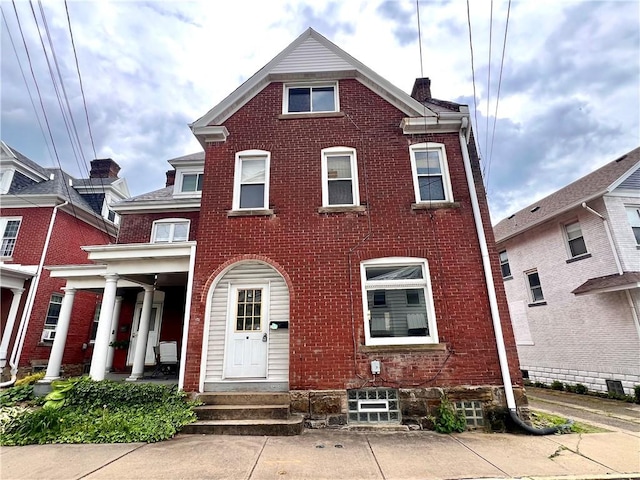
(24, 321)
(187, 317)
(488, 274)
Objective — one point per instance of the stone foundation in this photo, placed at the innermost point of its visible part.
(328, 408)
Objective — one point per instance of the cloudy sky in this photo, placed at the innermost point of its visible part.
(569, 97)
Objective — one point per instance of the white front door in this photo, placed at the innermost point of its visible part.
(154, 333)
(247, 331)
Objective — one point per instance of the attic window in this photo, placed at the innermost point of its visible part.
(310, 98)
(534, 209)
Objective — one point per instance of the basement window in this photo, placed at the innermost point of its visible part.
(472, 411)
(374, 405)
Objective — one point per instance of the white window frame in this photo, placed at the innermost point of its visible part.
(633, 216)
(3, 225)
(444, 166)
(504, 262)
(355, 190)
(106, 210)
(310, 86)
(424, 283)
(179, 181)
(6, 177)
(565, 231)
(530, 288)
(51, 326)
(237, 176)
(172, 222)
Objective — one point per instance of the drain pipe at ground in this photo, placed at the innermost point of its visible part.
(491, 291)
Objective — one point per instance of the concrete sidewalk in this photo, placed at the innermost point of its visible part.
(331, 454)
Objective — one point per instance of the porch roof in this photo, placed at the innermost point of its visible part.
(609, 283)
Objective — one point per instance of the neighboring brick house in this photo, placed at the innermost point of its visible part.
(45, 217)
(330, 238)
(571, 269)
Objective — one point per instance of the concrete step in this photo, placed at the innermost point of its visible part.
(271, 427)
(244, 398)
(242, 412)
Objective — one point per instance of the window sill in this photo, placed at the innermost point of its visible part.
(510, 277)
(421, 347)
(434, 205)
(263, 212)
(354, 209)
(294, 116)
(537, 304)
(579, 257)
(44, 344)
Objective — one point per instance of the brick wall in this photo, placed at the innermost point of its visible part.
(321, 253)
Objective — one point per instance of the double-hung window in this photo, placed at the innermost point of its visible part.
(192, 182)
(339, 177)
(9, 228)
(504, 265)
(170, 230)
(633, 213)
(251, 185)
(430, 173)
(535, 288)
(311, 98)
(575, 240)
(397, 302)
(51, 320)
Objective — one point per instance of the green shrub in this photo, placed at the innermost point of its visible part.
(16, 394)
(540, 385)
(61, 391)
(570, 388)
(448, 419)
(557, 385)
(581, 389)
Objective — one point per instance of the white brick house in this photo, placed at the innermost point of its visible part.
(571, 269)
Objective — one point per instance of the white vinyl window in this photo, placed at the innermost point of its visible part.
(535, 287)
(397, 302)
(505, 268)
(9, 228)
(633, 213)
(188, 183)
(575, 239)
(430, 173)
(51, 320)
(251, 184)
(170, 230)
(339, 177)
(310, 98)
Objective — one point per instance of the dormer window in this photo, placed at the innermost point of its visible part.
(170, 230)
(302, 98)
(6, 175)
(188, 182)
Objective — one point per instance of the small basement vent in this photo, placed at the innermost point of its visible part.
(615, 386)
(472, 413)
(374, 405)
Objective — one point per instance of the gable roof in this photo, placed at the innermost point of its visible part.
(589, 187)
(311, 53)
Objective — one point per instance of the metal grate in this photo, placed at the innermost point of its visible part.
(615, 386)
(472, 411)
(374, 405)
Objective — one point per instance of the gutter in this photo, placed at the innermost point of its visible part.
(28, 307)
(491, 290)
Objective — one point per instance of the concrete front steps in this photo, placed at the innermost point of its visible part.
(245, 413)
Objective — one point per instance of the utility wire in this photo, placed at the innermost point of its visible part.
(486, 133)
(473, 78)
(495, 115)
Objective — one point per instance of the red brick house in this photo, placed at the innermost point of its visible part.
(331, 241)
(45, 218)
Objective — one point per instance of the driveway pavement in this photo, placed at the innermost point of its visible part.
(336, 454)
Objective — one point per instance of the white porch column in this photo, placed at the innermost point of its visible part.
(137, 371)
(60, 340)
(8, 329)
(100, 348)
(114, 332)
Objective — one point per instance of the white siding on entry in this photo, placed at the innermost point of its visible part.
(278, 353)
(311, 56)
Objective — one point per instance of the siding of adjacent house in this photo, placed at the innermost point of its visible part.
(585, 339)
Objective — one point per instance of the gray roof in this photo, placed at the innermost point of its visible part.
(59, 186)
(191, 156)
(165, 193)
(27, 161)
(442, 105)
(588, 187)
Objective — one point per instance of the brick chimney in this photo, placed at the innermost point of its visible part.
(421, 89)
(171, 177)
(104, 168)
